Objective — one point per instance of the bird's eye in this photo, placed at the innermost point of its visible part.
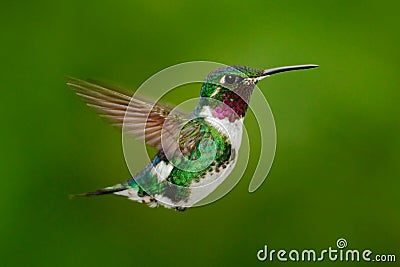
(230, 79)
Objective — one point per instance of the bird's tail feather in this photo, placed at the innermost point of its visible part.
(103, 191)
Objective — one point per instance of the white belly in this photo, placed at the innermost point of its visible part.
(233, 130)
(199, 190)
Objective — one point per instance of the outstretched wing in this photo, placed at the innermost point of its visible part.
(138, 117)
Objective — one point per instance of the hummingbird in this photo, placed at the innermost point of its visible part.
(196, 151)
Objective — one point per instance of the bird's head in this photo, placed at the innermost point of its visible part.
(227, 90)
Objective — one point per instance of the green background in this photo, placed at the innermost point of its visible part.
(336, 171)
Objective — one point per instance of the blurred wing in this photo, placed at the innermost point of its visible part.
(140, 118)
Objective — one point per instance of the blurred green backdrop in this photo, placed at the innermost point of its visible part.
(336, 171)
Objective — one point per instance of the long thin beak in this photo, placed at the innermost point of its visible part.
(286, 68)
